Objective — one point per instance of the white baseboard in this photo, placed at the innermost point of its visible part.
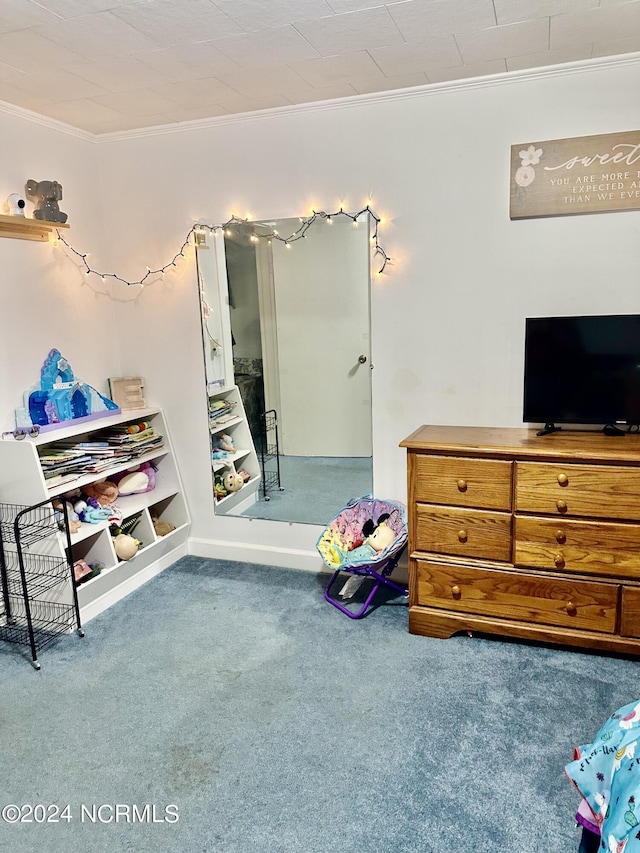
(268, 555)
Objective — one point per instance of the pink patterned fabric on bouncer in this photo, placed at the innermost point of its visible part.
(348, 544)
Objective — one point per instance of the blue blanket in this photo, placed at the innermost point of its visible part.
(606, 773)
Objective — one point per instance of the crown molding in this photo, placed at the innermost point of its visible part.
(427, 90)
(45, 121)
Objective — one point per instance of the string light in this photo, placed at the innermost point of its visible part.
(198, 233)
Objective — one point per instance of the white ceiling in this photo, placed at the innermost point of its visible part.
(113, 65)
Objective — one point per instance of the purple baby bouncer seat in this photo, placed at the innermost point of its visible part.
(353, 541)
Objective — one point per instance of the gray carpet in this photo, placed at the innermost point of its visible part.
(314, 488)
(275, 723)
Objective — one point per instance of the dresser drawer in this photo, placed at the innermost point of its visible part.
(599, 491)
(514, 595)
(458, 481)
(463, 532)
(630, 612)
(568, 545)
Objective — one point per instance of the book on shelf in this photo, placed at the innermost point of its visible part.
(96, 467)
(60, 480)
(65, 460)
(78, 470)
(222, 420)
(69, 462)
(82, 445)
(53, 455)
(125, 438)
(77, 466)
(222, 407)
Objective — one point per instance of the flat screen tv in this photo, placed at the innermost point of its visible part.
(582, 370)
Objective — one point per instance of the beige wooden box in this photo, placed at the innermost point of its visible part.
(127, 392)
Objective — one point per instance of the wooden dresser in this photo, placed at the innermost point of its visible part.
(525, 536)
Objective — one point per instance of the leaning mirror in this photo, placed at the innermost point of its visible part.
(287, 347)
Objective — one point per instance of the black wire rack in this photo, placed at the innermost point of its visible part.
(39, 597)
(270, 453)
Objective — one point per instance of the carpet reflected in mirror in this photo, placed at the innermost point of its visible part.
(314, 488)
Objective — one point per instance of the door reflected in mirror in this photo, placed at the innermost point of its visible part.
(299, 330)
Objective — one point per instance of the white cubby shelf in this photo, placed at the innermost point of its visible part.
(245, 456)
(22, 482)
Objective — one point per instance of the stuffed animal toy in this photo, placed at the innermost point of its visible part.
(46, 195)
(125, 546)
(223, 442)
(136, 480)
(232, 482)
(105, 493)
(161, 527)
(99, 503)
(218, 487)
(81, 571)
(91, 512)
(75, 522)
(378, 535)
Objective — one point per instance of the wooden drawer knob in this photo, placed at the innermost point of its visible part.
(562, 506)
(462, 485)
(563, 479)
(462, 535)
(571, 608)
(455, 591)
(559, 561)
(561, 537)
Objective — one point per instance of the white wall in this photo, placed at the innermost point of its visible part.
(46, 300)
(448, 318)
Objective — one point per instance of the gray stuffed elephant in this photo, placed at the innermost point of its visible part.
(46, 195)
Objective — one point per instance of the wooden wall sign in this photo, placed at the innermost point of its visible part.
(586, 174)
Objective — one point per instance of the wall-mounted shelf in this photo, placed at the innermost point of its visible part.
(23, 228)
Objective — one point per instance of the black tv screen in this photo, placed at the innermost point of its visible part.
(582, 370)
